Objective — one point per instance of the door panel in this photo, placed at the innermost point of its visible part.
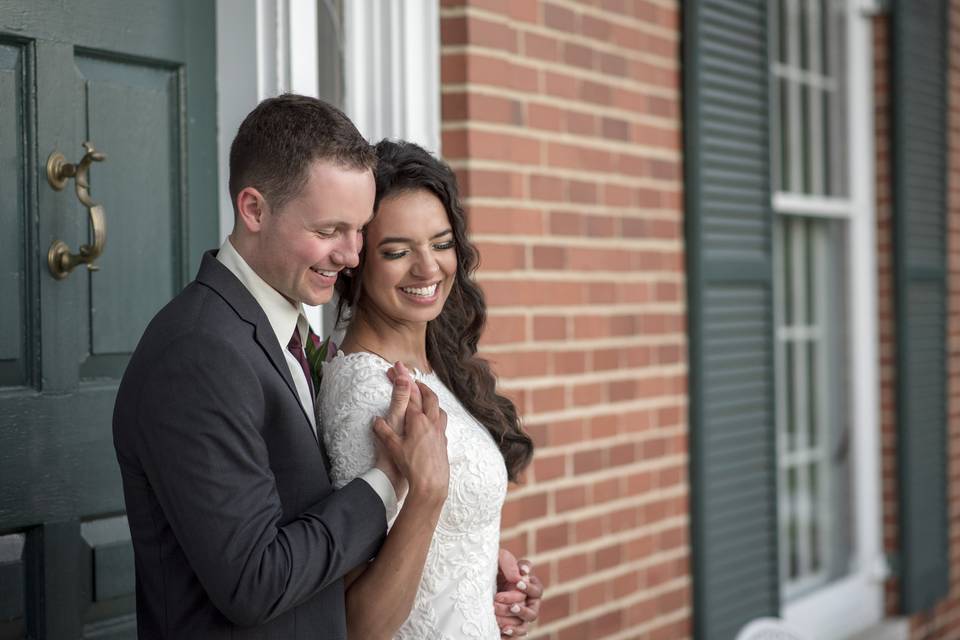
(12, 216)
(133, 111)
(136, 78)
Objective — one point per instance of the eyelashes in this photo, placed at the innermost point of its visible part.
(440, 246)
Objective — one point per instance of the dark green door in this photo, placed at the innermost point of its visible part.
(137, 79)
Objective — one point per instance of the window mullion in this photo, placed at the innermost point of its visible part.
(800, 390)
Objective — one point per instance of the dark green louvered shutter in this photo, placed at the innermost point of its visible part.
(920, 232)
(729, 218)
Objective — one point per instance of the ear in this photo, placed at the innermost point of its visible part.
(251, 207)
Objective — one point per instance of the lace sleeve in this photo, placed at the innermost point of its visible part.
(353, 392)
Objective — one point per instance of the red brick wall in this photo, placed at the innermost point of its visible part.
(563, 121)
(883, 141)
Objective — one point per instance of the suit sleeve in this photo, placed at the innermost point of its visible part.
(200, 445)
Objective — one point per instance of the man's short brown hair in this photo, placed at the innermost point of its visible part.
(282, 136)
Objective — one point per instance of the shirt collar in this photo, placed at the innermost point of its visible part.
(282, 315)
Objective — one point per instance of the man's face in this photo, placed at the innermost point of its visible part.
(306, 243)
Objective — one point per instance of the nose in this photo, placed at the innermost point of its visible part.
(347, 253)
(425, 265)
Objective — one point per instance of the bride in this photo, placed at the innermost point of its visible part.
(412, 301)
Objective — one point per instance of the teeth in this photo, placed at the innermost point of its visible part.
(329, 274)
(426, 292)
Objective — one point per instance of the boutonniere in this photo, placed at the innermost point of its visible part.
(319, 351)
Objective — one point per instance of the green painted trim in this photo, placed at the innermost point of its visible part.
(916, 593)
(701, 275)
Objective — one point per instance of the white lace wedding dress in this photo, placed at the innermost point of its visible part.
(455, 598)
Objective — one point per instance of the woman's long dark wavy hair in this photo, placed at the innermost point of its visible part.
(452, 336)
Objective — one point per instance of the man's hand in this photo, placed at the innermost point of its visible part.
(404, 390)
(519, 592)
(416, 444)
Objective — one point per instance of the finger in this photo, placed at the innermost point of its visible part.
(534, 588)
(514, 631)
(525, 566)
(431, 405)
(508, 566)
(510, 597)
(399, 400)
(388, 437)
(442, 424)
(517, 611)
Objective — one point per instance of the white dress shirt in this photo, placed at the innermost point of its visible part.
(283, 316)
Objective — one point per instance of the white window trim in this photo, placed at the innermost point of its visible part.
(392, 69)
(264, 48)
(856, 603)
(391, 59)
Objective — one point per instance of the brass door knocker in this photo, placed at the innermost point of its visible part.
(59, 171)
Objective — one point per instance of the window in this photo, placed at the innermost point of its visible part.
(824, 307)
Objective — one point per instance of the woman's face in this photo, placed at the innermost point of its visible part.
(411, 258)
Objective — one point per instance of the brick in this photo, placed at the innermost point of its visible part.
(548, 399)
(505, 220)
(484, 183)
(564, 223)
(505, 329)
(486, 145)
(502, 257)
(615, 128)
(573, 567)
(587, 461)
(552, 537)
(590, 597)
(547, 188)
(549, 258)
(453, 30)
(567, 362)
(606, 490)
(549, 328)
(554, 608)
(589, 394)
(517, 510)
(559, 18)
(542, 116)
(494, 35)
(565, 432)
(521, 364)
(578, 55)
(547, 468)
(541, 47)
(589, 529)
(570, 498)
(560, 85)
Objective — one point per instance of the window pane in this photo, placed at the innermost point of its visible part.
(812, 414)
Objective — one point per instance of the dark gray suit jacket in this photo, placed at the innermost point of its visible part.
(236, 529)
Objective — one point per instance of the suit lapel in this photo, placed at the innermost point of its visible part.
(216, 276)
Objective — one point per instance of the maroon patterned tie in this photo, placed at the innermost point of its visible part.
(295, 346)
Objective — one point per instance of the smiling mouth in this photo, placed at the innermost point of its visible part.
(329, 274)
(423, 292)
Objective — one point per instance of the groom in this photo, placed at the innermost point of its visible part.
(237, 531)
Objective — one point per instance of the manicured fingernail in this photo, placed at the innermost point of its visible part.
(521, 585)
(525, 569)
(515, 609)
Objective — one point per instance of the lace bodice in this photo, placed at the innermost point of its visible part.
(455, 596)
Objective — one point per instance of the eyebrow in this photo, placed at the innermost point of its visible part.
(402, 240)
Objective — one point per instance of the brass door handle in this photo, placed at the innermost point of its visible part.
(59, 171)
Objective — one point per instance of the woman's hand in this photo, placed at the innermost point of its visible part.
(519, 593)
